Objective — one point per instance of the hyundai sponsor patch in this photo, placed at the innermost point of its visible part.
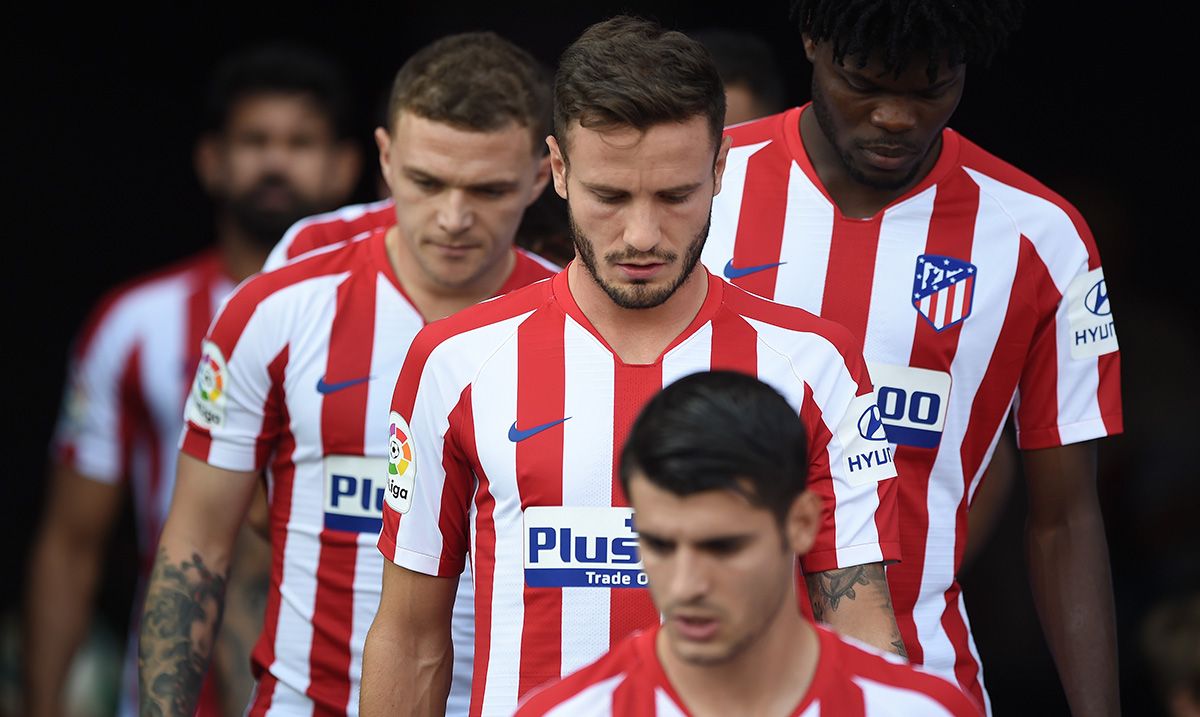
(581, 547)
(354, 490)
(867, 456)
(943, 290)
(1089, 315)
(912, 403)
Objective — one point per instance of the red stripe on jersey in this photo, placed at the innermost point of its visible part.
(633, 387)
(951, 233)
(483, 567)
(966, 669)
(128, 387)
(263, 693)
(759, 239)
(1109, 395)
(850, 274)
(283, 475)
(734, 345)
(143, 434)
(343, 418)
(1038, 409)
(541, 399)
(199, 315)
(631, 699)
(823, 554)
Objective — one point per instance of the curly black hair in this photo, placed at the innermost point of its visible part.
(896, 31)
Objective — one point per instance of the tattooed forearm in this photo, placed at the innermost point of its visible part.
(827, 589)
(181, 616)
(856, 602)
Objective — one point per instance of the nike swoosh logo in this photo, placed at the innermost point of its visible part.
(328, 388)
(516, 435)
(733, 272)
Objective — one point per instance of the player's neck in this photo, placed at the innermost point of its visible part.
(770, 677)
(854, 199)
(637, 336)
(436, 301)
(240, 253)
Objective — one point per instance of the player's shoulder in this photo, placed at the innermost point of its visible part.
(787, 321)
(329, 228)
(872, 669)
(772, 128)
(487, 324)
(1023, 196)
(624, 660)
(147, 300)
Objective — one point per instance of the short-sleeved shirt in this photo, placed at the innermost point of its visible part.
(329, 229)
(511, 416)
(296, 379)
(851, 680)
(976, 292)
(129, 373)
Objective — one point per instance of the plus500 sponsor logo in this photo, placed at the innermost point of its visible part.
(912, 403)
(354, 488)
(581, 547)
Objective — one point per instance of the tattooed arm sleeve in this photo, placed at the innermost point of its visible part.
(186, 595)
(856, 601)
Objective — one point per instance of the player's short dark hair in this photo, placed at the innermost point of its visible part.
(743, 58)
(956, 31)
(720, 430)
(475, 81)
(284, 70)
(631, 72)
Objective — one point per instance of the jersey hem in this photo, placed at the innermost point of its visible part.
(837, 558)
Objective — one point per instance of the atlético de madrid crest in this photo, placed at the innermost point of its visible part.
(943, 290)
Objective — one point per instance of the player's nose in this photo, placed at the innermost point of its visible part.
(894, 115)
(643, 231)
(689, 579)
(455, 215)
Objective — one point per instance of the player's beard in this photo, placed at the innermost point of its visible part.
(265, 224)
(639, 295)
(820, 105)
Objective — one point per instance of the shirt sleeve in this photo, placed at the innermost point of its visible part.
(430, 479)
(233, 414)
(1070, 384)
(851, 469)
(94, 428)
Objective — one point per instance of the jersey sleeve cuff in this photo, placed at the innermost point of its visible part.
(419, 562)
(822, 560)
(200, 444)
(1065, 435)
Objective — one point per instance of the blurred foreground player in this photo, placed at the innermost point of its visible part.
(716, 471)
(508, 418)
(274, 154)
(973, 290)
(296, 376)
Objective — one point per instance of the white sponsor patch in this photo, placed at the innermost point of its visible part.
(401, 465)
(210, 389)
(581, 547)
(867, 456)
(913, 403)
(354, 490)
(1089, 316)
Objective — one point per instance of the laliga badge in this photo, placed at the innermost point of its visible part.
(401, 470)
(206, 404)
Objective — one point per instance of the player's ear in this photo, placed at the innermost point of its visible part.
(383, 142)
(802, 521)
(719, 167)
(810, 47)
(541, 179)
(558, 166)
(207, 160)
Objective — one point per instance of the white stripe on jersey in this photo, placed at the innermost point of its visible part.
(595, 700)
(733, 181)
(902, 235)
(881, 699)
(588, 401)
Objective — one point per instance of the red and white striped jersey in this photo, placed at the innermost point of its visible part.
(296, 378)
(519, 410)
(130, 370)
(851, 680)
(330, 228)
(976, 291)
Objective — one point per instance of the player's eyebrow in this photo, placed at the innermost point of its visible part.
(499, 185)
(606, 189)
